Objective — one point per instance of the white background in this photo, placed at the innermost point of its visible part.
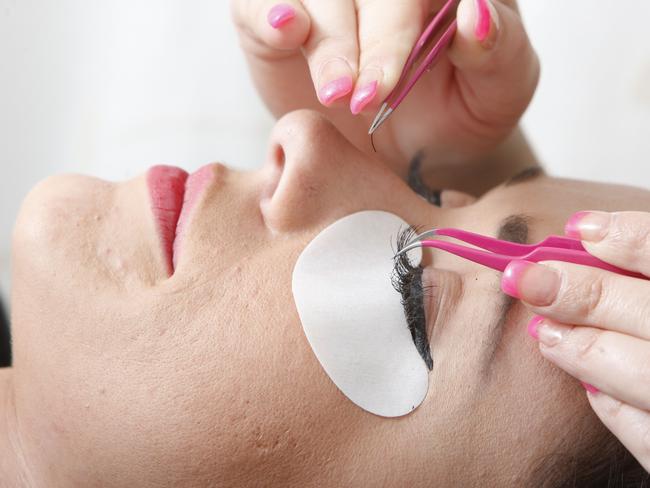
(111, 87)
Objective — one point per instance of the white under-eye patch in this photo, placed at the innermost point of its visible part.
(352, 315)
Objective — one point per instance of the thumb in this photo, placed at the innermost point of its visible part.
(271, 28)
(497, 66)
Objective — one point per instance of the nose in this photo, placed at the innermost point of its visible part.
(312, 174)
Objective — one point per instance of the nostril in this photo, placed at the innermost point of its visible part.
(305, 156)
(278, 156)
(273, 175)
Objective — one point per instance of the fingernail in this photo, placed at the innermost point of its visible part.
(362, 97)
(334, 90)
(487, 22)
(533, 283)
(280, 14)
(588, 226)
(551, 334)
(590, 388)
(533, 325)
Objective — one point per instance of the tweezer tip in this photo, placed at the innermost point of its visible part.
(380, 118)
(378, 123)
(406, 249)
(374, 122)
(420, 237)
(377, 117)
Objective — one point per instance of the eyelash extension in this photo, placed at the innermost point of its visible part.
(407, 281)
(415, 182)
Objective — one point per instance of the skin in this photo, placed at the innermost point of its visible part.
(602, 339)
(125, 376)
(463, 114)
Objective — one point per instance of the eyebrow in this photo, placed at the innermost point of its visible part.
(525, 175)
(514, 228)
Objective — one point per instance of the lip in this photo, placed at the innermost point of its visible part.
(173, 194)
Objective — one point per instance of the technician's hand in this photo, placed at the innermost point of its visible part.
(343, 57)
(597, 325)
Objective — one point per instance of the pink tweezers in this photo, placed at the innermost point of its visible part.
(399, 93)
(497, 254)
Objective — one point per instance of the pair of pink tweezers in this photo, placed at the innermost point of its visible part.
(444, 21)
(497, 254)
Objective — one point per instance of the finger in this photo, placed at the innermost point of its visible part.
(276, 61)
(581, 295)
(620, 238)
(615, 363)
(629, 424)
(387, 32)
(278, 28)
(497, 68)
(332, 49)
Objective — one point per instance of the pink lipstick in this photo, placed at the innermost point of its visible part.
(173, 195)
(195, 185)
(166, 189)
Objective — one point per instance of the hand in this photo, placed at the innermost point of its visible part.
(343, 57)
(594, 324)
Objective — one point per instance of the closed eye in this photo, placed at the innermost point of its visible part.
(407, 280)
(418, 185)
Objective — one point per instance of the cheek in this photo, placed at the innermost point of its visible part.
(195, 378)
(536, 410)
(51, 244)
(65, 323)
(86, 230)
(80, 244)
(273, 407)
(54, 220)
(264, 403)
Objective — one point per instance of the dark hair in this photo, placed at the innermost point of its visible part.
(5, 341)
(605, 464)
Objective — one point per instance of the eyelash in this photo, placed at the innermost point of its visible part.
(416, 183)
(407, 281)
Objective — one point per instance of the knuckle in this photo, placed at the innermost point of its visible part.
(641, 240)
(613, 409)
(237, 14)
(379, 51)
(588, 345)
(632, 232)
(325, 47)
(258, 48)
(593, 294)
(644, 376)
(645, 444)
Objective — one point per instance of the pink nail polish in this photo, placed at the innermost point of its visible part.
(280, 14)
(536, 284)
(334, 90)
(482, 29)
(362, 97)
(572, 227)
(588, 226)
(511, 277)
(590, 388)
(533, 325)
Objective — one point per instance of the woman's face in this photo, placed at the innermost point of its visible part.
(126, 375)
